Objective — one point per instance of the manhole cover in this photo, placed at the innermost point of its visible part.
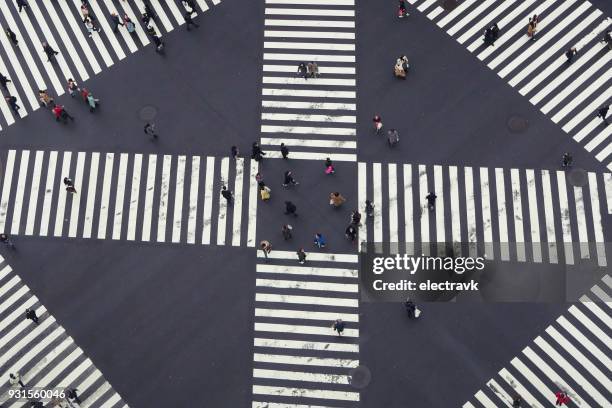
(449, 4)
(577, 177)
(360, 377)
(147, 113)
(517, 124)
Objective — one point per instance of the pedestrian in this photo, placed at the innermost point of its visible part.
(259, 178)
(378, 125)
(319, 240)
(532, 26)
(69, 185)
(266, 248)
(3, 81)
(12, 101)
(45, 99)
(31, 314)
(159, 44)
(257, 153)
(234, 152)
(116, 21)
(188, 20)
(356, 218)
(129, 25)
(228, 195)
(4, 238)
(60, 113)
(302, 70)
(284, 151)
(313, 69)
(73, 87)
(145, 19)
(570, 53)
(289, 180)
(351, 232)
(431, 201)
(22, 4)
(607, 38)
(51, 53)
(301, 256)
(603, 113)
(89, 25)
(567, 160)
(517, 400)
(92, 102)
(401, 9)
(329, 166)
(290, 208)
(369, 208)
(338, 326)
(71, 393)
(84, 11)
(149, 10)
(15, 379)
(286, 230)
(11, 36)
(336, 199)
(264, 191)
(149, 129)
(562, 398)
(189, 4)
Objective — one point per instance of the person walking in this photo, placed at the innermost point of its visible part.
(190, 4)
(12, 102)
(319, 240)
(378, 125)
(603, 113)
(338, 326)
(264, 191)
(329, 166)
(73, 87)
(60, 113)
(290, 208)
(116, 21)
(4, 238)
(351, 233)
(562, 398)
(566, 161)
(234, 152)
(289, 180)
(31, 314)
(410, 308)
(313, 69)
(149, 129)
(336, 199)
(517, 400)
(228, 195)
(301, 254)
(189, 21)
(284, 151)
(15, 379)
(532, 26)
(69, 185)
(259, 178)
(356, 218)
(21, 4)
(129, 25)
(369, 208)
(570, 53)
(257, 154)
(266, 248)
(287, 232)
(72, 395)
(45, 99)
(11, 36)
(89, 25)
(607, 39)
(431, 200)
(84, 11)
(3, 81)
(49, 51)
(302, 70)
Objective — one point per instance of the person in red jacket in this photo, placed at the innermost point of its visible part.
(562, 398)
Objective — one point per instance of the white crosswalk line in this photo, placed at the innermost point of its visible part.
(6, 111)
(120, 196)
(33, 201)
(49, 187)
(393, 212)
(596, 310)
(193, 199)
(300, 376)
(307, 270)
(309, 12)
(582, 339)
(582, 227)
(439, 191)
(178, 199)
(534, 222)
(334, 35)
(309, 23)
(408, 210)
(305, 315)
(104, 202)
(314, 2)
(305, 361)
(309, 117)
(306, 300)
(486, 213)
(597, 226)
(492, 16)
(208, 199)
(519, 388)
(23, 80)
(484, 400)
(6, 187)
(588, 110)
(362, 196)
(424, 210)
(455, 12)
(308, 57)
(501, 214)
(426, 4)
(309, 130)
(340, 144)
(238, 182)
(309, 46)
(519, 236)
(76, 198)
(588, 323)
(532, 378)
(377, 198)
(61, 199)
(147, 212)
(91, 195)
(566, 227)
(308, 105)
(222, 220)
(308, 93)
(549, 217)
(470, 16)
(306, 393)
(315, 286)
(471, 213)
(455, 220)
(21, 181)
(164, 190)
(252, 208)
(134, 195)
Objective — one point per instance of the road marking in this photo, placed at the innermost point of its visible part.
(582, 227)
(549, 216)
(237, 210)
(439, 191)
(21, 181)
(193, 199)
(424, 209)
(76, 198)
(134, 195)
(46, 210)
(519, 235)
(378, 214)
(222, 220)
(163, 198)
(61, 199)
(455, 220)
(91, 194)
(208, 197)
(534, 222)
(148, 204)
(486, 213)
(566, 226)
(597, 225)
(306, 300)
(105, 200)
(120, 195)
(178, 198)
(471, 212)
(252, 209)
(36, 175)
(6, 187)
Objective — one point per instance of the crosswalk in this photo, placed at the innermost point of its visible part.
(59, 23)
(127, 196)
(44, 354)
(315, 118)
(299, 360)
(507, 214)
(573, 356)
(569, 94)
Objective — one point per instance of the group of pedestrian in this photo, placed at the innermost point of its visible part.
(310, 70)
(392, 134)
(532, 26)
(491, 34)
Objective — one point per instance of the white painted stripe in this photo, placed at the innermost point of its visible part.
(471, 17)
(408, 210)
(193, 199)
(91, 194)
(305, 315)
(597, 140)
(120, 195)
(581, 220)
(534, 222)
(309, 23)
(471, 212)
(308, 105)
(486, 213)
(222, 220)
(76, 198)
(533, 379)
(501, 214)
(596, 310)
(439, 191)
(50, 184)
(134, 195)
(423, 191)
(6, 111)
(237, 210)
(519, 235)
(426, 4)
(309, 117)
(597, 225)
(566, 226)
(308, 93)
(313, 155)
(313, 256)
(467, 404)
(61, 199)
(520, 390)
(307, 270)
(302, 285)
(300, 376)
(163, 198)
(608, 188)
(362, 196)
(602, 155)
(208, 199)
(310, 34)
(6, 187)
(314, 2)
(340, 144)
(105, 200)
(484, 400)
(175, 12)
(393, 212)
(576, 100)
(301, 329)
(586, 343)
(324, 70)
(308, 57)
(305, 360)
(306, 345)
(252, 208)
(450, 16)
(603, 296)
(378, 204)
(22, 178)
(588, 323)
(435, 13)
(491, 16)
(257, 404)
(306, 300)
(310, 12)
(309, 130)
(549, 216)
(455, 212)
(148, 204)
(306, 393)
(309, 46)
(178, 198)
(36, 175)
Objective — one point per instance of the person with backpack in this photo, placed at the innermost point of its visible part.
(149, 129)
(338, 326)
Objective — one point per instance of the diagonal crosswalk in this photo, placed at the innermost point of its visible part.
(314, 117)
(298, 359)
(568, 93)
(60, 24)
(571, 356)
(44, 354)
(126, 196)
(507, 214)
